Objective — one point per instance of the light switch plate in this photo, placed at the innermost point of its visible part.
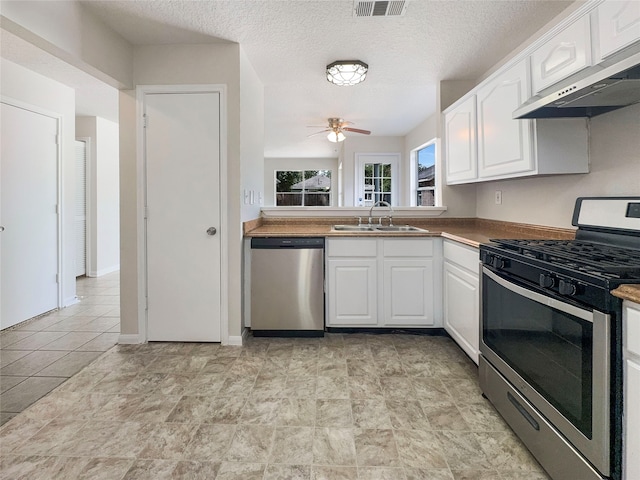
(498, 197)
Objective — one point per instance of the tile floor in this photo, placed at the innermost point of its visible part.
(396, 407)
(40, 354)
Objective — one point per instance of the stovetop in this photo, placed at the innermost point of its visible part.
(587, 258)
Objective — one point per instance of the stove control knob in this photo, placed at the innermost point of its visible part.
(546, 280)
(498, 262)
(565, 287)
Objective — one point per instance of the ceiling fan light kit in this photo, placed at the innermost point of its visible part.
(336, 128)
(336, 137)
(346, 73)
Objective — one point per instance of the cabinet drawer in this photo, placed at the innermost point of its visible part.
(352, 247)
(406, 247)
(466, 257)
(632, 328)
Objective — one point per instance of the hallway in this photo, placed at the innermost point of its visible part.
(38, 355)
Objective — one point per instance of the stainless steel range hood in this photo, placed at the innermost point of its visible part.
(593, 91)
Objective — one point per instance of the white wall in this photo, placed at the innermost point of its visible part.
(68, 31)
(251, 137)
(273, 164)
(104, 203)
(33, 89)
(615, 170)
(362, 144)
(177, 65)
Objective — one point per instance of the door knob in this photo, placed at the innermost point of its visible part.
(211, 231)
(1, 228)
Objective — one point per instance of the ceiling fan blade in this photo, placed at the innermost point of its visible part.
(357, 130)
(318, 133)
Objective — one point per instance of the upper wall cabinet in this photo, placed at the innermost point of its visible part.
(565, 54)
(461, 146)
(504, 144)
(508, 148)
(617, 26)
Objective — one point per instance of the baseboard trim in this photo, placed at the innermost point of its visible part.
(67, 302)
(129, 338)
(104, 271)
(235, 340)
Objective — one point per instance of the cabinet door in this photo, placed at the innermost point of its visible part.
(632, 420)
(504, 144)
(460, 142)
(408, 292)
(352, 292)
(563, 55)
(462, 308)
(618, 25)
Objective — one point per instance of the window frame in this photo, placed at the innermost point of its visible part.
(364, 158)
(414, 175)
(303, 193)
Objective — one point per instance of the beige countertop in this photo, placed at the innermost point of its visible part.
(469, 231)
(628, 292)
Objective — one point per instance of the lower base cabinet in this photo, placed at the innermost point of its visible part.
(461, 296)
(383, 282)
(631, 422)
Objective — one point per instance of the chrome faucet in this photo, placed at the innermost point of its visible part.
(380, 204)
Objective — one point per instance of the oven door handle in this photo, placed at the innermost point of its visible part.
(539, 298)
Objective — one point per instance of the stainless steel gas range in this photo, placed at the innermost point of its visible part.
(551, 340)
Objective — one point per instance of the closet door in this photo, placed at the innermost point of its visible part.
(81, 208)
(182, 153)
(28, 214)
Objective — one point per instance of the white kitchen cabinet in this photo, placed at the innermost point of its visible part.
(504, 144)
(631, 423)
(352, 282)
(460, 142)
(563, 55)
(617, 26)
(461, 296)
(382, 282)
(508, 148)
(408, 283)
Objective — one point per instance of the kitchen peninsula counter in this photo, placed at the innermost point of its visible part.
(469, 231)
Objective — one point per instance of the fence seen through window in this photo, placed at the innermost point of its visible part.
(303, 188)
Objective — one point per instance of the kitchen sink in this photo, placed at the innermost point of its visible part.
(354, 228)
(399, 228)
(377, 228)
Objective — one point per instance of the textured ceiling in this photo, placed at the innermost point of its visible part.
(289, 43)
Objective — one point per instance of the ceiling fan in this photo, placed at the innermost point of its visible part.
(336, 128)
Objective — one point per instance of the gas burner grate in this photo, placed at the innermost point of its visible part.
(589, 257)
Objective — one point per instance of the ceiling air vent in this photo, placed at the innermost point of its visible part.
(392, 8)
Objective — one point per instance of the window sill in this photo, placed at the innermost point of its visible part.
(398, 212)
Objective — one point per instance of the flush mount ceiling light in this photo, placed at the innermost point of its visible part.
(346, 73)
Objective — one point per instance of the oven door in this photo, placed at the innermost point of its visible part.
(556, 355)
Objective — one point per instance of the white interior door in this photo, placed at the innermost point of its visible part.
(29, 196)
(81, 208)
(182, 153)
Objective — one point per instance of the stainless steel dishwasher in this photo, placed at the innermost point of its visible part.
(287, 286)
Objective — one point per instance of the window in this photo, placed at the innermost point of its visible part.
(308, 188)
(426, 175)
(377, 183)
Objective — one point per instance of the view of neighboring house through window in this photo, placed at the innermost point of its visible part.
(426, 175)
(303, 188)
